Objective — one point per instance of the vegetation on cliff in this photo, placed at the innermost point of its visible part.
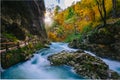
(81, 16)
(12, 57)
(104, 42)
(22, 20)
(90, 24)
(22, 30)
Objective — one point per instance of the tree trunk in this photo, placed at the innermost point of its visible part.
(114, 8)
(104, 10)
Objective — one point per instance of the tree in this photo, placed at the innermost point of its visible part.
(114, 8)
(70, 12)
(102, 10)
(57, 8)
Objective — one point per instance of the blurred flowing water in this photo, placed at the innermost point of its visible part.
(38, 67)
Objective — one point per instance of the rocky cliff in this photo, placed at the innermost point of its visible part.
(22, 28)
(22, 20)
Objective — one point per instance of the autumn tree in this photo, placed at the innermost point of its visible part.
(70, 13)
(57, 8)
(102, 10)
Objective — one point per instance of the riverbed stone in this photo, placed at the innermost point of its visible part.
(84, 64)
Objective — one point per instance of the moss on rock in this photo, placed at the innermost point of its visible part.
(84, 64)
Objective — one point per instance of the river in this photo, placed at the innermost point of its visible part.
(38, 67)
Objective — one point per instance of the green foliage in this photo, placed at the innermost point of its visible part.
(14, 56)
(87, 29)
(81, 18)
(29, 35)
(38, 46)
(71, 20)
(54, 24)
(70, 13)
(118, 5)
(57, 8)
(73, 36)
(60, 30)
(118, 22)
(9, 36)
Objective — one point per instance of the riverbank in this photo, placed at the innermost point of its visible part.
(12, 57)
(104, 42)
(22, 30)
(38, 66)
(84, 64)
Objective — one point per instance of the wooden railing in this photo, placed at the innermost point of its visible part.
(12, 45)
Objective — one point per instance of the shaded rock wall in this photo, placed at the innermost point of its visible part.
(23, 19)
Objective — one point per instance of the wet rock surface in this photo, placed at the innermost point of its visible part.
(23, 19)
(84, 64)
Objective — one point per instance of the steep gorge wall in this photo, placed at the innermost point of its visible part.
(23, 19)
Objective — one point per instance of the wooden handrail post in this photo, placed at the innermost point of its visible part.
(6, 47)
(18, 45)
(25, 43)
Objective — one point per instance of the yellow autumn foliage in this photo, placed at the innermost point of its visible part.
(82, 13)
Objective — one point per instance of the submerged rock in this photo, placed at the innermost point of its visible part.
(84, 64)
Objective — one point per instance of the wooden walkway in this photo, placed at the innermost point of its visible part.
(16, 45)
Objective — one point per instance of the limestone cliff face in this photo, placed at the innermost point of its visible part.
(23, 19)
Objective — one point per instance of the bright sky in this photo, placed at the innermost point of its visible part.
(69, 2)
(52, 3)
(63, 3)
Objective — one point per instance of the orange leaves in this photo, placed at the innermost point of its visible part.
(89, 14)
(60, 18)
(108, 5)
(52, 36)
(81, 14)
(68, 27)
(77, 8)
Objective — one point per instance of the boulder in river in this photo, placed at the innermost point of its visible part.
(84, 64)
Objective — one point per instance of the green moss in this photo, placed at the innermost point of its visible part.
(15, 56)
(10, 37)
